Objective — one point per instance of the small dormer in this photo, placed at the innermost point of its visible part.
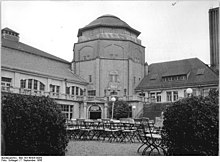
(10, 34)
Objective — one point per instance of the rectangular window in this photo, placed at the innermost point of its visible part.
(23, 83)
(81, 92)
(42, 87)
(52, 88)
(134, 80)
(158, 96)
(35, 84)
(169, 96)
(175, 95)
(152, 97)
(29, 83)
(67, 110)
(58, 89)
(90, 78)
(77, 91)
(6, 83)
(91, 92)
(73, 90)
(4, 79)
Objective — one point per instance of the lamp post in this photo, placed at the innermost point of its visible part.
(113, 99)
(133, 108)
(189, 92)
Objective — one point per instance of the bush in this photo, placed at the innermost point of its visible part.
(121, 109)
(33, 126)
(191, 126)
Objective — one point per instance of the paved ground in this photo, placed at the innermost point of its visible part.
(99, 148)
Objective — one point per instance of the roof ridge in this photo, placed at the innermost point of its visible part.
(175, 61)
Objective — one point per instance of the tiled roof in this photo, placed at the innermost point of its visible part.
(19, 56)
(7, 29)
(189, 67)
(26, 48)
(108, 21)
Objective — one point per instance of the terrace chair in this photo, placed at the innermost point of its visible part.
(152, 139)
(128, 132)
(112, 131)
(106, 128)
(137, 125)
(84, 129)
(72, 130)
(142, 138)
(98, 130)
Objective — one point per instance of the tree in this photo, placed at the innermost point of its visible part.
(121, 109)
(191, 126)
(33, 126)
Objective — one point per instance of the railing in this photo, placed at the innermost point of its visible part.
(75, 97)
(41, 93)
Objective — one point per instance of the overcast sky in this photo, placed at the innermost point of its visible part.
(170, 30)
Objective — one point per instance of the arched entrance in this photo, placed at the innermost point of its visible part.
(95, 112)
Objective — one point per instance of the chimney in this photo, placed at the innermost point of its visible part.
(214, 37)
(146, 69)
(10, 34)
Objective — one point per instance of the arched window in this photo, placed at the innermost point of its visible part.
(73, 90)
(32, 84)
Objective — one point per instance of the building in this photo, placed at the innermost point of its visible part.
(214, 38)
(110, 57)
(108, 60)
(29, 71)
(168, 81)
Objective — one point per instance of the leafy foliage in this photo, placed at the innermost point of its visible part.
(33, 126)
(121, 109)
(191, 126)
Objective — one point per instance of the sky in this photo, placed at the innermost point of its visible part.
(170, 30)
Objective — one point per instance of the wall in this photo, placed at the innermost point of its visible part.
(125, 57)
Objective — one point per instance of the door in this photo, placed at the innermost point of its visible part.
(95, 112)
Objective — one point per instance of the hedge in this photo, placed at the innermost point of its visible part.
(191, 126)
(33, 126)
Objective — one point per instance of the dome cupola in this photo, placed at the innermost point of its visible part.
(108, 27)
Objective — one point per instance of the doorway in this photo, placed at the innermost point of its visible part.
(95, 112)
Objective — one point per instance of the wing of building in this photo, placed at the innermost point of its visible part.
(30, 71)
(168, 81)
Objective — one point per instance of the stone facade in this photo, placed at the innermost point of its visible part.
(110, 58)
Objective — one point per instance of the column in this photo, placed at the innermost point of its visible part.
(83, 111)
(105, 110)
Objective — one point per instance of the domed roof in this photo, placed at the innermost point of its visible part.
(108, 21)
